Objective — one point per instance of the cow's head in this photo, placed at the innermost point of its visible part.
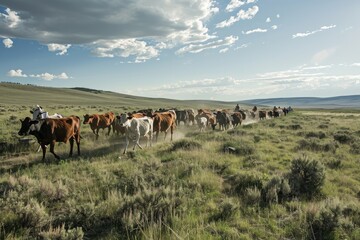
(36, 112)
(88, 119)
(123, 120)
(27, 126)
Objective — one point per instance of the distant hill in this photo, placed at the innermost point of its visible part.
(19, 94)
(352, 101)
(14, 93)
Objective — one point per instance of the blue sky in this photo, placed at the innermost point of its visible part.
(187, 49)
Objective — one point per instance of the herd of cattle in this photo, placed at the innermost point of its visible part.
(49, 129)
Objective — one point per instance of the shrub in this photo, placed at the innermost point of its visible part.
(294, 127)
(252, 196)
(59, 233)
(355, 147)
(186, 144)
(242, 148)
(276, 190)
(306, 177)
(319, 135)
(324, 220)
(240, 182)
(343, 137)
(313, 144)
(226, 210)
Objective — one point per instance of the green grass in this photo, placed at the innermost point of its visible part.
(188, 189)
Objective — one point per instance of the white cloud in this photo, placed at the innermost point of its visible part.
(241, 15)
(224, 50)
(48, 76)
(245, 45)
(233, 4)
(16, 73)
(355, 65)
(274, 27)
(11, 18)
(308, 33)
(322, 55)
(61, 49)
(278, 15)
(45, 76)
(268, 20)
(90, 23)
(193, 48)
(304, 78)
(8, 43)
(125, 48)
(257, 30)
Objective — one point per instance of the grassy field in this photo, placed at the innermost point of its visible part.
(295, 177)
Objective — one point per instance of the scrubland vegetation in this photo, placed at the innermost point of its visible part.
(295, 177)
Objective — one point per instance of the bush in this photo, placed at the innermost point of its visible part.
(294, 127)
(313, 144)
(276, 190)
(59, 233)
(252, 196)
(319, 135)
(306, 177)
(343, 137)
(186, 144)
(239, 183)
(324, 220)
(226, 210)
(242, 148)
(355, 147)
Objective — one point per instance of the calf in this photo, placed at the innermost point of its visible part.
(134, 128)
(202, 122)
(97, 121)
(163, 121)
(49, 131)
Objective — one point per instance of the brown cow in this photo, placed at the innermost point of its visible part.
(237, 119)
(98, 121)
(49, 131)
(262, 114)
(163, 121)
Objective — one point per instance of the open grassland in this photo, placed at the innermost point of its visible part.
(295, 177)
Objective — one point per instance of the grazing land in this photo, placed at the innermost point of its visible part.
(293, 177)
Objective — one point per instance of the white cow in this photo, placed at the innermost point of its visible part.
(38, 113)
(202, 122)
(136, 127)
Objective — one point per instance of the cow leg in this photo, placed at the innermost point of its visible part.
(109, 127)
(52, 146)
(97, 133)
(157, 135)
(137, 143)
(126, 143)
(172, 132)
(150, 138)
(43, 147)
(71, 140)
(77, 139)
(165, 135)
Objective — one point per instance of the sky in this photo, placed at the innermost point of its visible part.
(225, 50)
